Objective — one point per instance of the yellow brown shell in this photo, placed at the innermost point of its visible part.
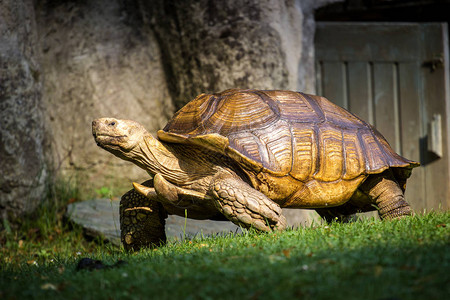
(285, 133)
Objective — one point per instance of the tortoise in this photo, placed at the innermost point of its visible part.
(242, 155)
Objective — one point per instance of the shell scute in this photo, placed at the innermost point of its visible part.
(354, 160)
(192, 116)
(337, 115)
(225, 113)
(375, 158)
(284, 132)
(248, 145)
(305, 150)
(297, 107)
(330, 155)
(276, 138)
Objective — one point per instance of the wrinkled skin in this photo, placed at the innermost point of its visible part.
(207, 185)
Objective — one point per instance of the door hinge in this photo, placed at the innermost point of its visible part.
(436, 62)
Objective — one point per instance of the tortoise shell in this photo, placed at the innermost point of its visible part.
(285, 133)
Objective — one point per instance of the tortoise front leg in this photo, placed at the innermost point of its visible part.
(170, 194)
(387, 195)
(245, 206)
(177, 199)
(142, 220)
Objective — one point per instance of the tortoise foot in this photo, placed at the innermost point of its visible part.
(387, 195)
(142, 221)
(398, 208)
(247, 207)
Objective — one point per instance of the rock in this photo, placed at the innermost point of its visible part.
(98, 60)
(175, 228)
(209, 46)
(301, 217)
(135, 60)
(100, 218)
(22, 131)
(306, 68)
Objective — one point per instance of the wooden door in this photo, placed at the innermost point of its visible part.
(395, 76)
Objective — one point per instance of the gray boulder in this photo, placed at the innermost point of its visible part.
(22, 131)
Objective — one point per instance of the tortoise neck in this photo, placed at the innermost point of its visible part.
(156, 157)
(177, 163)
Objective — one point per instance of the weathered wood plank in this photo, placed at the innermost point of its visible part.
(386, 117)
(360, 41)
(411, 130)
(436, 101)
(385, 73)
(334, 82)
(360, 93)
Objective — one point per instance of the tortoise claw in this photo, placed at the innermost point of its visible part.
(145, 190)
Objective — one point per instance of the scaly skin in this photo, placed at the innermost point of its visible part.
(208, 185)
(235, 199)
(245, 206)
(387, 195)
(142, 221)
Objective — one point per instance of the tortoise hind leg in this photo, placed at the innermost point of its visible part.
(387, 195)
(142, 220)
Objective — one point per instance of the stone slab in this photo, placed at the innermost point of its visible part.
(100, 217)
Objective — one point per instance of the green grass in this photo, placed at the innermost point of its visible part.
(37, 238)
(403, 259)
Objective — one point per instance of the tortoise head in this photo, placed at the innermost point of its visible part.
(119, 137)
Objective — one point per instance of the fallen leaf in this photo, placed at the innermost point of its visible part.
(72, 200)
(49, 286)
(32, 231)
(287, 253)
(32, 262)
